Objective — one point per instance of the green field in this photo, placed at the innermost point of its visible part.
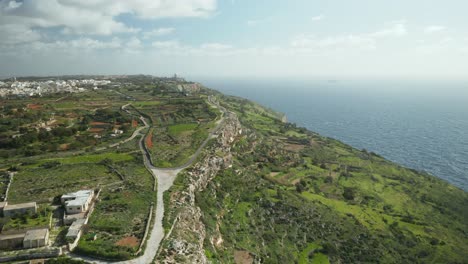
(176, 130)
(39, 220)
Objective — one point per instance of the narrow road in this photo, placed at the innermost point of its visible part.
(165, 178)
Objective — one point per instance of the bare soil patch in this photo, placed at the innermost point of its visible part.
(130, 241)
(243, 257)
(294, 147)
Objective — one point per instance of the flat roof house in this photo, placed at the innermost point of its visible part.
(36, 238)
(11, 210)
(11, 241)
(77, 202)
(74, 231)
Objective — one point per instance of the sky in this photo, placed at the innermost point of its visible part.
(333, 39)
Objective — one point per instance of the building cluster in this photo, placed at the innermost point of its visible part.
(32, 238)
(31, 88)
(77, 207)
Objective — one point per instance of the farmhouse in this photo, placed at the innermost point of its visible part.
(36, 238)
(77, 202)
(11, 241)
(11, 210)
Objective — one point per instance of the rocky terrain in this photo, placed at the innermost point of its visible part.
(186, 235)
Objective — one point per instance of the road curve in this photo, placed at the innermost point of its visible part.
(165, 178)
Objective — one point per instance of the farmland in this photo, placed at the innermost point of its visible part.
(62, 143)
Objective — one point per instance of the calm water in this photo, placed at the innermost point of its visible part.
(419, 125)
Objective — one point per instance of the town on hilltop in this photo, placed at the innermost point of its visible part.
(31, 88)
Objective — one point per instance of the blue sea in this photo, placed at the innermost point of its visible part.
(419, 124)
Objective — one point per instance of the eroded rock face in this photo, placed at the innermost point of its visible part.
(184, 243)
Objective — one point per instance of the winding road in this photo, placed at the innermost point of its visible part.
(164, 178)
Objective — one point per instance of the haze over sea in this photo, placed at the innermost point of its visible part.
(421, 125)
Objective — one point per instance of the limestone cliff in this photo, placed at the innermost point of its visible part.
(185, 238)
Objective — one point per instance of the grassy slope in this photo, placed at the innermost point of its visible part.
(290, 189)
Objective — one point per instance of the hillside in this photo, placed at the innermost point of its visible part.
(249, 187)
(268, 191)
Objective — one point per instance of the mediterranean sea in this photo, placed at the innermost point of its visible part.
(419, 124)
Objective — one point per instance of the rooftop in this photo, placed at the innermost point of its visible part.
(36, 234)
(12, 236)
(73, 232)
(80, 197)
(19, 206)
(75, 228)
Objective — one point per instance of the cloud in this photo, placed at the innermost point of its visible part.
(362, 41)
(176, 48)
(16, 34)
(173, 44)
(318, 18)
(396, 29)
(158, 32)
(134, 44)
(434, 29)
(255, 22)
(97, 17)
(215, 46)
(306, 42)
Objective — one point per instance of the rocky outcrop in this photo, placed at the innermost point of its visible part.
(184, 242)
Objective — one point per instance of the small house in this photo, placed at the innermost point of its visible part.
(11, 210)
(11, 241)
(36, 238)
(77, 202)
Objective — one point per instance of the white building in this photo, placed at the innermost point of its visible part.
(77, 202)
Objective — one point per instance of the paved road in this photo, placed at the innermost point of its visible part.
(165, 178)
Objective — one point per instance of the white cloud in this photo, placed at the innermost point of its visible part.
(158, 32)
(255, 22)
(216, 46)
(434, 29)
(97, 17)
(16, 34)
(336, 42)
(176, 48)
(396, 29)
(173, 44)
(318, 18)
(349, 42)
(13, 5)
(134, 44)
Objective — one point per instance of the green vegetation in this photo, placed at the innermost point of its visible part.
(28, 221)
(291, 196)
(176, 130)
(294, 196)
(120, 217)
(179, 127)
(33, 126)
(43, 183)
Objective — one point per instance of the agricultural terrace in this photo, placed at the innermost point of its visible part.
(57, 123)
(120, 216)
(179, 127)
(60, 143)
